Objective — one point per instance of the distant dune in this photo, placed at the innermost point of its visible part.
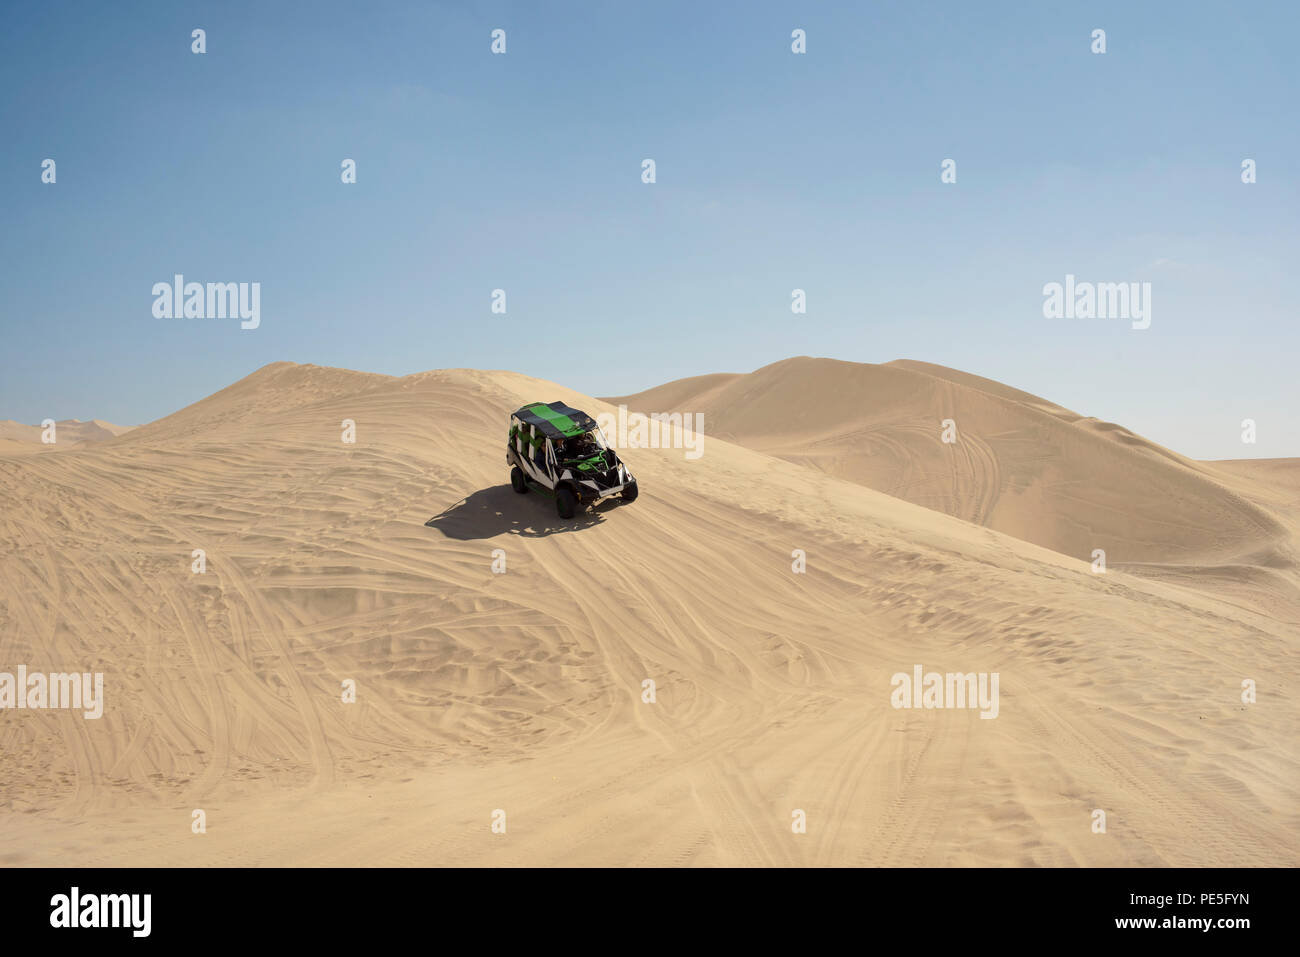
(1020, 464)
(372, 562)
(68, 431)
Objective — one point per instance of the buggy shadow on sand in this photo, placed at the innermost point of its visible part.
(490, 512)
(561, 452)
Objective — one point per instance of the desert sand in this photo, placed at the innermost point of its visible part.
(522, 691)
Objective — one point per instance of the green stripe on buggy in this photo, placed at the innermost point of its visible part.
(562, 422)
(581, 419)
(533, 440)
(551, 423)
(555, 419)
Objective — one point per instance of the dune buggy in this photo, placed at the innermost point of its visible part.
(562, 452)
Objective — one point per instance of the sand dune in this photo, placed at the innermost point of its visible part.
(1020, 464)
(522, 691)
(67, 431)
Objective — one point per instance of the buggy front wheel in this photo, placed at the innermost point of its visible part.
(566, 503)
(517, 480)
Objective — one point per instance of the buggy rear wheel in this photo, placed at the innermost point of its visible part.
(517, 480)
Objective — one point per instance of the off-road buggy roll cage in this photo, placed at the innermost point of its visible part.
(562, 450)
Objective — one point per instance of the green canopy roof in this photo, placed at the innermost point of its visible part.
(555, 419)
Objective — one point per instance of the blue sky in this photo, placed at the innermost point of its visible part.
(775, 171)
